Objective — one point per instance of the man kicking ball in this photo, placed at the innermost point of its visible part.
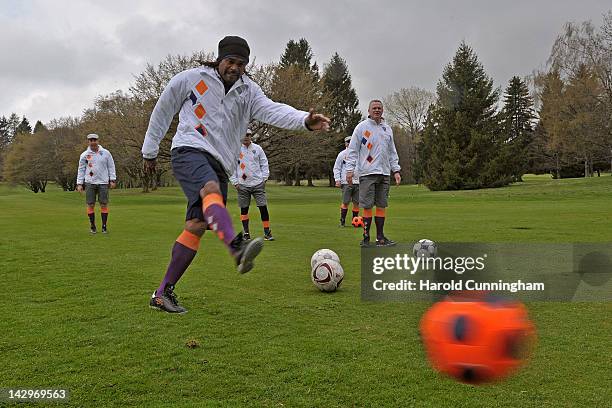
(249, 179)
(215, 103)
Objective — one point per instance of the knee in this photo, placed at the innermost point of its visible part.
(212, 187)
(195, 226)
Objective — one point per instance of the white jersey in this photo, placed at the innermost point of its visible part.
(252, 167)
(340, 169)
(372, 150)
(210, 119)
(96, 167)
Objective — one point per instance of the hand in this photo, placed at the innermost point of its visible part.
(398, 178)
(236, 186)
(349, 177)
(316, 121)
(79, 188)
(113, 184)
(337, 184)
(149, 166)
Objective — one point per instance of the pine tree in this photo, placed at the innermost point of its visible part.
(39, 127)
(517, 121)
(344, 102)
(461, 147)
(24, 126)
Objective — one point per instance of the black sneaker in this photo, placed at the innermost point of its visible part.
(246, 236)
(342, 222)
(245, 252)
(93, 229)
(268, 236)
(167, 302)
(385, 242)
(104, 231)
(365, 242)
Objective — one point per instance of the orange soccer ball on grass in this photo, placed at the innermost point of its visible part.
(477, 340)
(357, 222)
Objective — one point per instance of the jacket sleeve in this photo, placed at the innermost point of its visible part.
(263, 164)
(393, 157)
(338, 168)
(353, 150)
(168, 104)
(112, 175)
(81, 169)
(234, 177)
(274, 113)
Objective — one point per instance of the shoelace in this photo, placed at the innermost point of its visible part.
(173, 298)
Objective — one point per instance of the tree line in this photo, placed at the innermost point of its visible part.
(467, 135)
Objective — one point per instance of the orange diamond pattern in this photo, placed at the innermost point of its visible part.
(201, 87)
(200, 111)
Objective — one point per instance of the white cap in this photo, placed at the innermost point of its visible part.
(347, 139)
(92, 136)
(249, 132)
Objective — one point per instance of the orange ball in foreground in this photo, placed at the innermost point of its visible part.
(477, 340)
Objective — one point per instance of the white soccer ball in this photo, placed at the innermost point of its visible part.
(327, 275)
(425, 248)
(323, 254)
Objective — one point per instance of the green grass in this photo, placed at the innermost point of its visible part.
(76, 316)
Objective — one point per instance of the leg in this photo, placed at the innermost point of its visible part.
(366, 201)
(346, 197)
(244, 217)
(90, 200)
(244, 201)
(259, 193)
(355, 199)
(183, 252)
(381, 201)
(216, 215)
(103, 197)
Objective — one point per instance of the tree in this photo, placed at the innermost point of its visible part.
(517, 122)
(407, 109)
(24, 126)
(27, 163)
(39, 127)
(342, 106)
(584, 45)
(461, 147)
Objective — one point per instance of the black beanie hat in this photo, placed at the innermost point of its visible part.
(232, 46)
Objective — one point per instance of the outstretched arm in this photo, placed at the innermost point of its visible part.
(284, 116)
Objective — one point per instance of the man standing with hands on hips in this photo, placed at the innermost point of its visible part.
(373, 152)
(97, 172)
(249, 179)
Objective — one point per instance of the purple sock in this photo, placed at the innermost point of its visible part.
(181, 259)
(218, 219)
(380, 224)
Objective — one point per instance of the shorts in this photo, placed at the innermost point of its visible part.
(193, 168)
(258, 192)
(373, 190)
(350, 193)
(96, 192)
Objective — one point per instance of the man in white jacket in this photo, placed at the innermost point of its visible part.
(249, 179)
(372, 150)
(96, 172)
(350, 192)
(215, 102)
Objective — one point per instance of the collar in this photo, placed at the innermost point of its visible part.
(373, 122)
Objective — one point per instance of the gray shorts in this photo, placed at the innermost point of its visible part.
(258, 191)
(96, 192)
(373, 190)
(350, 193)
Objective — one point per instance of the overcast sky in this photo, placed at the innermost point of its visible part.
(58, 55)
